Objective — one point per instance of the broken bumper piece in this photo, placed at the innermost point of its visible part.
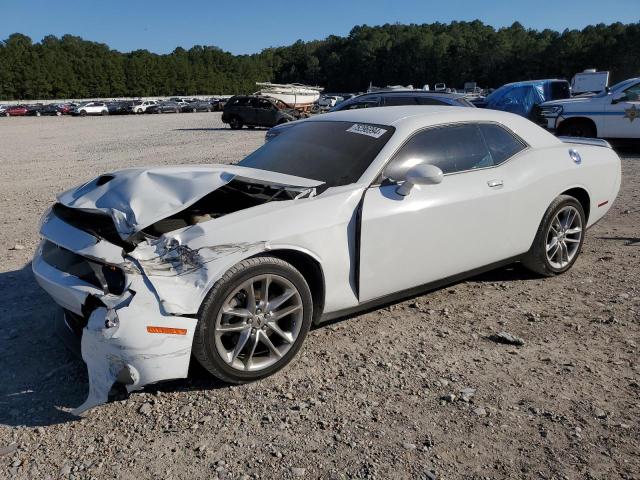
(125, 337)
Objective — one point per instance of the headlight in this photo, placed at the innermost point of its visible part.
(551, 111)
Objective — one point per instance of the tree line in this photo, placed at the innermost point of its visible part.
(70, 67)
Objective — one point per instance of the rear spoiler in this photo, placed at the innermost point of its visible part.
(596, 142)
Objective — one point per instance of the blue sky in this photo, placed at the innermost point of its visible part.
(248, 26)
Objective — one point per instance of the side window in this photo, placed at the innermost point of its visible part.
(430, 101)
(452, 149)
(368, 103)
(632, 94)
(502, 143)
(394, 101)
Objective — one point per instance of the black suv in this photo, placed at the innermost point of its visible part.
(255, 111)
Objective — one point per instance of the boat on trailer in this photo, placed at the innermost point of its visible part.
(295, 95)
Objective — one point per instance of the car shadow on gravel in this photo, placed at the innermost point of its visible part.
(509, 273)
(41, 379)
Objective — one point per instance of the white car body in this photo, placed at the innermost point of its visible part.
(143, 106)
(369, 243)
(92, 108)
(614, 113)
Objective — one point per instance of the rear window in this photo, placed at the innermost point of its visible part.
(336, 153)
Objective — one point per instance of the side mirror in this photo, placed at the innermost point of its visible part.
(423, 174)
(620, 97)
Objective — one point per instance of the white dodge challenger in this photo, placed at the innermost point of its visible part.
(232, 264)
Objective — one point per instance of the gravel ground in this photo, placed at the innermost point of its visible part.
(412, 390)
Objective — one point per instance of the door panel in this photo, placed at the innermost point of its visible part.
(623, 118)
(435, 232)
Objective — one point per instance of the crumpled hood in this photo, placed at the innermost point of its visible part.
(136, 198)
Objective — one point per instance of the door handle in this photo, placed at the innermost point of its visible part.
(495, 183)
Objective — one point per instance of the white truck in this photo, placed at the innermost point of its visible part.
(613, 113)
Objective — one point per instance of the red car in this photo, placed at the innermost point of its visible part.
(66, 108)
(15, 111)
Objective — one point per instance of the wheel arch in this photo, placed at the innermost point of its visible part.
(581, 194)
(310, 268)
(579, 119)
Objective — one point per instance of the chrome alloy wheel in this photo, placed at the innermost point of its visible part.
(258, 322)
(564, 237)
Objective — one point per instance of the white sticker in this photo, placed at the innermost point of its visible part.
(369, 130)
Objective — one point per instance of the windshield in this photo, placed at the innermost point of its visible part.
(336, 153)
(618, 86)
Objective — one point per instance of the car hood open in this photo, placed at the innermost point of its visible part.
(136, 198)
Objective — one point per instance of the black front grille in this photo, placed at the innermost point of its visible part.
(86, 270)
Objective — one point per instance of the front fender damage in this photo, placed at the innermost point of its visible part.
(145, 335)
(180, 275)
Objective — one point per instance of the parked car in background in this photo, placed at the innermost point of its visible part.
(15, 111)
(164, 107)
(523, 98)
(45, 110)
(257, 111)
(34, 110)
(393, 98)
(218, 103)
(613, 113)
(180, 101)
(67, 108)
(91, 108)
(233, 264)
(198, 106)
(329, 101)
(119, 108)
(142, 106)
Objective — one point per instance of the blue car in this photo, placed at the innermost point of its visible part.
(522, 98)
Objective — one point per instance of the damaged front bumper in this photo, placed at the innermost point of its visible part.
(127, 337)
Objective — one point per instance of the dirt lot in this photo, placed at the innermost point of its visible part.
(413, 390)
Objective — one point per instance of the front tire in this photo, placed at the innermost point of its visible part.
(235, 123)
(253, 321)
(559, 239)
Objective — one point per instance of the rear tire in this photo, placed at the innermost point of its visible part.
(559, 238)
(261, 338)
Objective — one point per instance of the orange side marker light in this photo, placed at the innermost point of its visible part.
(166, 330)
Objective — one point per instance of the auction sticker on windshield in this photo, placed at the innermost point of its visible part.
(369, 130)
